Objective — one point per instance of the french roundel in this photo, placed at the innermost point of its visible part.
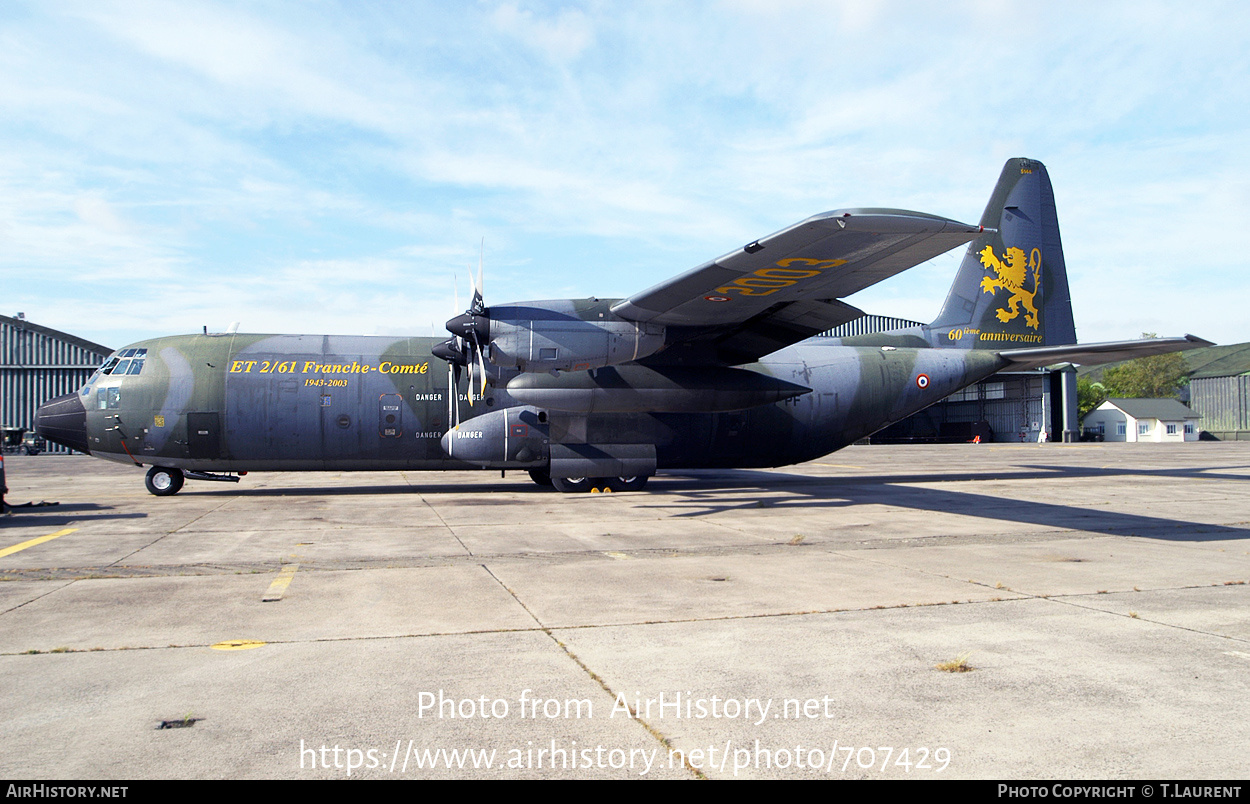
(922, 381)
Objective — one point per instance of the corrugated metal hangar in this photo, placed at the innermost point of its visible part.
(37, 364)
(1219, 389)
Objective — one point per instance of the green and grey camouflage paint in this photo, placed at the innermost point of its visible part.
(682, 399)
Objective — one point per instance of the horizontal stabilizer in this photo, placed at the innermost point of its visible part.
(1095, 354)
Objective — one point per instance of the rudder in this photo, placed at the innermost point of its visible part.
(1012, 286)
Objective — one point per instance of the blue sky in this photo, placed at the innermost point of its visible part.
(327, 167)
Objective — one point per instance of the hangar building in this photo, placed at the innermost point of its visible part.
(1219, 389)
(37, 364)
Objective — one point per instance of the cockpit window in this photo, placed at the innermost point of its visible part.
(127, 361)
(108, 398)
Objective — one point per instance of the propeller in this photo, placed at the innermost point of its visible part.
(469, 330)
(452, 350)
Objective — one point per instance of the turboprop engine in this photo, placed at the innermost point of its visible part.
(558, 335)
(512, 438)
(519, 438)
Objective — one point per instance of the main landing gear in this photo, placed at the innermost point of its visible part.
(578, 485)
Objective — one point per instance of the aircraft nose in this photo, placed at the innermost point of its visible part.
(64, 421)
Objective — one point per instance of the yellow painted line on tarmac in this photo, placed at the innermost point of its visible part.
(17, 548)
(278, 588)
(618, 556)
(238, 644)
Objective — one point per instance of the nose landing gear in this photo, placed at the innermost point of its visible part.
(163, 481)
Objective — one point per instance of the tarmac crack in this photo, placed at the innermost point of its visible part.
(659, 736)
(38, 597)
(141, 548)
(437, 515)
(1068, 600)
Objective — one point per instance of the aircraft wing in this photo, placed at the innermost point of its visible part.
(785, 287)
(1094, 354)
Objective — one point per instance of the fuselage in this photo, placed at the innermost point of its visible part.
(610, 389)
(238, 402)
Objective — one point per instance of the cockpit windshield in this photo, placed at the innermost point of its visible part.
(126, 362)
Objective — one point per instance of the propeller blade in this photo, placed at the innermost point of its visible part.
(455, 394)
(475, 303)
(451, 397)
(482, 360)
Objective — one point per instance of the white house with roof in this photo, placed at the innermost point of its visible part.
(1143, 420)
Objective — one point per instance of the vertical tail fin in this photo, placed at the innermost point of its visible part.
(1012, 286)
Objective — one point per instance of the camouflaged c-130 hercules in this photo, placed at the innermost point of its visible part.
(716, 367)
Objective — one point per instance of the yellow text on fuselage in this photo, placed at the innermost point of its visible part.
(313, 367)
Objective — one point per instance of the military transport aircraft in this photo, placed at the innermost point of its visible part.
(712, 368)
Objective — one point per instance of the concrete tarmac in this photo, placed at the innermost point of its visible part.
(754, 624)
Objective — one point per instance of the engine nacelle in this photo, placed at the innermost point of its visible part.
(512, 438)
(567, 335)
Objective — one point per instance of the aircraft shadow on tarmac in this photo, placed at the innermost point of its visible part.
(707, 492)
(481, 490)
(712, 491)
(67, 513)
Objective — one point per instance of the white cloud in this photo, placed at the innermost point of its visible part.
(561, 38)
(603, 147)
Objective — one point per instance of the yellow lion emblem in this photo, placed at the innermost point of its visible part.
(1011, 275)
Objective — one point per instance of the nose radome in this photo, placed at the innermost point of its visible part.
(63, 421)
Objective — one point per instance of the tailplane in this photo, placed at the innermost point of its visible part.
(1012, 286)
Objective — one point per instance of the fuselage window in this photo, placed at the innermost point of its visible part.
(136, 366)
(86, 389)
(115, 397)
(108, 367)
